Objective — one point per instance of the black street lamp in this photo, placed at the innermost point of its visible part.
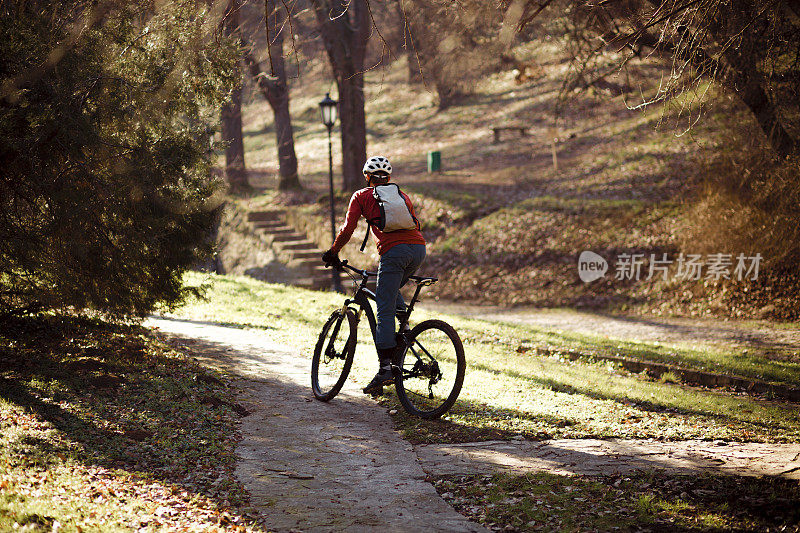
(329, 111)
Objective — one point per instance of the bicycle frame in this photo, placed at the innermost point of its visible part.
(363, 295)
(362, 298)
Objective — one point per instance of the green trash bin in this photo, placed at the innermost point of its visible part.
(434, 161)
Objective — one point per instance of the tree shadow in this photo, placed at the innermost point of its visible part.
(108, 389)
(653, 406)
(468, 421)
(727, 334)
(173, 395)
(236, 325)
(644, 500)
(474, 421)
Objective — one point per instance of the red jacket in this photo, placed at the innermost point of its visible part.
(362, 203)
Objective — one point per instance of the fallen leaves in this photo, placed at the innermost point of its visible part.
(638, 501)
(150, 456)
(107, 381)
(138, 435)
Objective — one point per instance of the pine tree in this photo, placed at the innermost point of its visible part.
(106, 195)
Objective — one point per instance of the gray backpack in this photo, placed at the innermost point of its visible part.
(395, 214)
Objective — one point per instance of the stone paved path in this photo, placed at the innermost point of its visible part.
(596, 457)
(312, 466)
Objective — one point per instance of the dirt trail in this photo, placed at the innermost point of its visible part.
(761, 334)
(311, 466)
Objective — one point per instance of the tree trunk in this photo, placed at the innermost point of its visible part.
(231, 116)
(747, 87)
(756, 99)
(345, 29)
(743, 77)
(235, 171)
(354, 130)
(287, 159)
(284, 133)
(277, 95)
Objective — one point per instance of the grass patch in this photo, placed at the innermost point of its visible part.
(640, 501)
(105, 428)
(509, 390)
(294, 316)
(750, 362)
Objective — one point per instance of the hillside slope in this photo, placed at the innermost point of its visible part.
(507, 221)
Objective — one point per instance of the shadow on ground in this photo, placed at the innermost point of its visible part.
(120, 400)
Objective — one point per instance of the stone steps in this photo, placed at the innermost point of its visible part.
(265, 215)
(277, 230)
(269, 223)
(293, 248)
(300, 246)
(307, 254)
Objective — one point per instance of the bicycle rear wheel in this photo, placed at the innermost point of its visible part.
(431, 370)
(333, 354)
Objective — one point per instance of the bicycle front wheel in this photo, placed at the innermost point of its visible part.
(333, 354)
(430, 372)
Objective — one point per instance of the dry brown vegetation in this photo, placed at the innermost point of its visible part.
(506, 226)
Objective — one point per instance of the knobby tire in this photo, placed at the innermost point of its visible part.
(333, 354)
(431, 340)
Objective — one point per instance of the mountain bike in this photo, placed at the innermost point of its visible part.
(429, 364)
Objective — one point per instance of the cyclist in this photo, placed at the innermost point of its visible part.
(401, 253)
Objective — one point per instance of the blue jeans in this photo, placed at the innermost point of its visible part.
(396, 265)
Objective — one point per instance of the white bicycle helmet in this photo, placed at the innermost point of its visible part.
(377, 163)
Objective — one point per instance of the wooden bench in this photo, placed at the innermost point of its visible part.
(523, 131)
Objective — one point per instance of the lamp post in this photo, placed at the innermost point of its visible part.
(328, 108)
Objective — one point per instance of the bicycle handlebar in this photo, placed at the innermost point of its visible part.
(366, 273)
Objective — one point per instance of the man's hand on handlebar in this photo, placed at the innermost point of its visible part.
(331, 258)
